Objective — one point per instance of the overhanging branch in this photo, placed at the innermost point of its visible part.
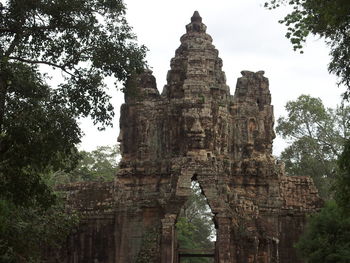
(29, 61)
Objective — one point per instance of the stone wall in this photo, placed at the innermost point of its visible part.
(194, 130)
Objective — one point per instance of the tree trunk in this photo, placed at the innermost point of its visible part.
(3, 93)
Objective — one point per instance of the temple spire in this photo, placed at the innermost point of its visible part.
(196, 24)
(196, 17)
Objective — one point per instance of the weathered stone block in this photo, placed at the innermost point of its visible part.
(194, 130)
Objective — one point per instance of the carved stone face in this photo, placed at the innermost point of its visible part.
(195, 134)
(147, 80)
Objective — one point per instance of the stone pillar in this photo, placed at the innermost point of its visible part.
(223, 241)
(168, 239)
(274, 252)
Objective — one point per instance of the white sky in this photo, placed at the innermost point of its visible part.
(247, 36)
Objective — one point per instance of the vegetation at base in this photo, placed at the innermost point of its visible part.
(38, 136)
(327, 237)
(342, 184)
(329, 20)
(149, 252)
(316, 135)
(24, 231)
(195, 229)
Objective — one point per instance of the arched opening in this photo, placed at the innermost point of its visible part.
(195, 229)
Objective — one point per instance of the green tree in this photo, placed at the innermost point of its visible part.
(323, 18)
(316, 135)
(327, 236)
(98, 165)
(195, 228)
(24, 231)
(342, 185)
(86, 40)
(39, 135)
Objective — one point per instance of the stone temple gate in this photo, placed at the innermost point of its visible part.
(194, 130)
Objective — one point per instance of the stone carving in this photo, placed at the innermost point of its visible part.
(194, 130)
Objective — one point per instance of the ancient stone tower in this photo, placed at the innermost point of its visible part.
(194, 130)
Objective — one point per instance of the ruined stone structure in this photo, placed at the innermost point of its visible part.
(194, 130)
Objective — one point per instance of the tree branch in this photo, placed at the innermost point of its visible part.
(29, 61)
(13, 44)
(7, 30)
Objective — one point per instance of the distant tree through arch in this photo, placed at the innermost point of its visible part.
(195, 226)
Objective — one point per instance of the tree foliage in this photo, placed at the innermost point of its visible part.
(316, 135)
(195, 228)
(342, 184)
(323, 18)
(327, 237)
(98, 165)
(39, 135)
(24, 231)
(86, 40)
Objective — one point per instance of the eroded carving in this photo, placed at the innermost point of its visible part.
(195, 129)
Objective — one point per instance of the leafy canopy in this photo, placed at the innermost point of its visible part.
(327, 237)
(86, 40)
(316, 135)
(39, 135)
(24, 231)
(342, 185)
(323, 18)
(100, 164)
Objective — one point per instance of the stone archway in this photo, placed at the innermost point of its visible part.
(194, 127)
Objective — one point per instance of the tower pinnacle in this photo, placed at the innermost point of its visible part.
(196, 24)
(196, 17)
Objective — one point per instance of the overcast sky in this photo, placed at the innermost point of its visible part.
(247, 36)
